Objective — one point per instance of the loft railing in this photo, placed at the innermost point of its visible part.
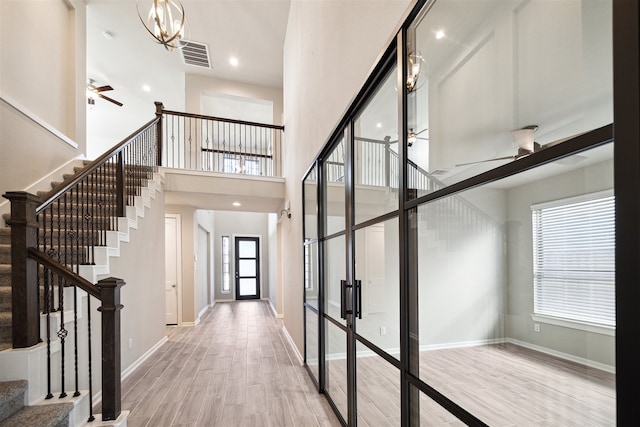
(205, 143)
(52, 240)
(377, 165)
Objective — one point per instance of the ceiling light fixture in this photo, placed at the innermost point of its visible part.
(146, 88)
(236, 204)
(165, 22)
(233, 61)
(415, 63)
(439, 34)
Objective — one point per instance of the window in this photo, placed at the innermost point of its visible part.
(574, 258)
(226, 278)
(230, 165)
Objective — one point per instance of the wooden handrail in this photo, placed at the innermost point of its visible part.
(237, 153)
(221, 119)
(64, 272)
(65, 186)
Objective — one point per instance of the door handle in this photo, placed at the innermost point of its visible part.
(359, 299)
(343, 289)
(173, 286)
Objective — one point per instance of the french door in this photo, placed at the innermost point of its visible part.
(247, 267)
(353, 324)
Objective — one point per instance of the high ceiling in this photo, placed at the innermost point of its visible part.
(251, 30)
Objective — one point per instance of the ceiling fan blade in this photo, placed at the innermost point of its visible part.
(119, 104)
(490, 160)
(423, 130)
(102, 88)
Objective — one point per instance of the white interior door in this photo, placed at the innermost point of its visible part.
(171, 254)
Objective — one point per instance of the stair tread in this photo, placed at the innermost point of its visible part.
(48, 415)
(9, 389)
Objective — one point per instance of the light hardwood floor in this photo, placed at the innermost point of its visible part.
(235, 368)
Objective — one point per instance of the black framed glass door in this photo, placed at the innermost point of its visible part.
(247, 267)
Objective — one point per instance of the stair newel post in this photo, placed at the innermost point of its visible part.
(24, 270)
(159, 108)
(110, 309)
(121, 189)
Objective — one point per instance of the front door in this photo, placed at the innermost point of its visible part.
(247, 268)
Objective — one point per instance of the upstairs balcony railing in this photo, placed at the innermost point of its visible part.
(213, 144)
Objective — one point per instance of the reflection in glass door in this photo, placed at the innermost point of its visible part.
(247, 268)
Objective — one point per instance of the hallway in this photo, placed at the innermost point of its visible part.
(235, 368)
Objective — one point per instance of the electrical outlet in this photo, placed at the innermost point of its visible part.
(130, 343)
(383, 330)
(536, 327)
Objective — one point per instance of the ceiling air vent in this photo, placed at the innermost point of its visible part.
(194, 53)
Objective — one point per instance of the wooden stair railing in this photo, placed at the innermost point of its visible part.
(52, 239)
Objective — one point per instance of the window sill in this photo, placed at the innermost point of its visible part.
(574, 324)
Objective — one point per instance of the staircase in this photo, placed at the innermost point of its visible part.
(86, 251)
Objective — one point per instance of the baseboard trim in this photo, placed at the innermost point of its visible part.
(97, 398)
(142, 358)
(293, 346)
(461, 344)
(274, 311)
(565, 356)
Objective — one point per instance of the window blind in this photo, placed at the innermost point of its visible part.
(574, 259)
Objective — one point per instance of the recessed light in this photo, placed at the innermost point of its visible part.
(378, 125)
(233, 61)
(439, 34)
(107, 35)
(146, 88)
(236, 204)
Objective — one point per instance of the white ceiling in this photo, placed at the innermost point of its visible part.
(251, 30)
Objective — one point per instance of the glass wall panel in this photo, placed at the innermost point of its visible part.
(482, 341)
(376, 153)
(378, 388)
(311, 274)
(377, 269)
(336, 366)
(492, 81)
(335, 271)
(311, 205)
(311, 333)
(334, 184)
(430, 413)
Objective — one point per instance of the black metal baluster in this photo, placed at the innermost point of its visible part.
(47, 307)
(91, 417)
(75, 340)
(62, 335)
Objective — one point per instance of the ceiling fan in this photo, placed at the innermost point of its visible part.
(412, 137)
(97, 90)
(526, 145)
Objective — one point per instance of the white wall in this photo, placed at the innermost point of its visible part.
(329, 49)
(204, 292)
(141, 265)
(592, 346)
(46, 76)
(197, 85)
(275, 291)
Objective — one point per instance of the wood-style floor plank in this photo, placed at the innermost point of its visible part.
(235, 368)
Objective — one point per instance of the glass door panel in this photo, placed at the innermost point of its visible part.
(311, 205)
(378, 385)
(377, 272)
(376, 153)
(311, 274)
(334, 190)
(312, 356)
(335, 274)
(336, 366)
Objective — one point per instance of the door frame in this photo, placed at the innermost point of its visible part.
(259, 267)
(178, 219)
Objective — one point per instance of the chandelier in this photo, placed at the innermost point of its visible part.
(165, 22)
